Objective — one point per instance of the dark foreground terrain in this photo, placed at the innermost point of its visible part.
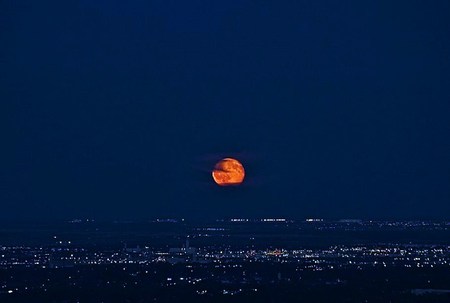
(149, 284)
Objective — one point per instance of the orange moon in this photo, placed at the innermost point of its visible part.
(228, 172)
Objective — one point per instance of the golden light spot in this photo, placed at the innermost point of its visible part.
(228, 172)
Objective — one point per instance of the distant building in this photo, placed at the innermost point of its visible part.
(354, 221)
(421, 292)
(136, 249)
(185, 254)
(60, 263)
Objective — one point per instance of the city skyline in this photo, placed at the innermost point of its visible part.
(235, 260)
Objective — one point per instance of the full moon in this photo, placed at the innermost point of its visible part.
(228, 172)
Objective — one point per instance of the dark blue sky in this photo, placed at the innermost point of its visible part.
(119, 109)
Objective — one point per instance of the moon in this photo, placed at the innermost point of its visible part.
(228, 172)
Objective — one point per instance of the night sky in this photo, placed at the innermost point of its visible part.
(120, 109)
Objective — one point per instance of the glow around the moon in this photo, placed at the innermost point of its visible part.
(228, 172)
